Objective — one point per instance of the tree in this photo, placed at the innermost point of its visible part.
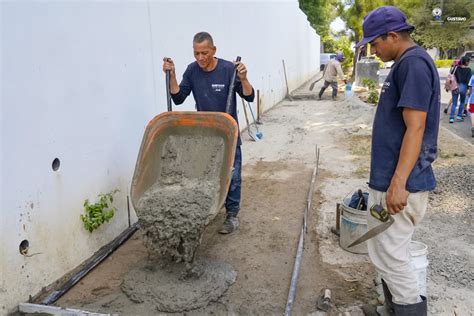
(446, 34)
(353, 16)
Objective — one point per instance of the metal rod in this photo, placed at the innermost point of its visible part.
(168, 93)
(295, 275)
(286, 81)
(103, 253)
(128, 211)
(299, 252)
(311, 191)
(231, 89)
(338, 216)
(258, 106)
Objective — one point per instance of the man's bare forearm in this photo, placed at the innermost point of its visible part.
(246, 87)
(174, 87)
(397, 194)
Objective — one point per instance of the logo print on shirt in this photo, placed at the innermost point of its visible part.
(217, 87)
(386, 86)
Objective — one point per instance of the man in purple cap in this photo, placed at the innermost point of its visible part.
(404, 145)
(332, 71)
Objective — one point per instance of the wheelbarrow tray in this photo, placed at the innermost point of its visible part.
(187, 130)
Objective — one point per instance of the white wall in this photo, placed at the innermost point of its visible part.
(79, 81)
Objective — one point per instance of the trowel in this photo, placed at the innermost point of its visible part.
(382, 215)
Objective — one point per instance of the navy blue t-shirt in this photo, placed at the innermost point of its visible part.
(413, 82)
(211, 88)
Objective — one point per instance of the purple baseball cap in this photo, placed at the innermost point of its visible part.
(381, 21)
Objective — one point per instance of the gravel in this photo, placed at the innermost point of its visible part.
(447, 227)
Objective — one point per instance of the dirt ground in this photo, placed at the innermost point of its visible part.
(276, 179)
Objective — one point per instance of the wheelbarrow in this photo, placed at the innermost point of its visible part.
(150, 165)
(181, 154)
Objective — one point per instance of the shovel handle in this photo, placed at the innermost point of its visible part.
(231, 88)
(168, 94)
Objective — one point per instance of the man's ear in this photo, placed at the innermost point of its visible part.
(394, 36)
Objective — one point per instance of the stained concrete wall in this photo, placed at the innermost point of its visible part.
(79, 82)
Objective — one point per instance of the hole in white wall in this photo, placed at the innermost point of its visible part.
(56, 164)
(24, 246)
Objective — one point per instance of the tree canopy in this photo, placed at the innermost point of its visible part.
(444, 35)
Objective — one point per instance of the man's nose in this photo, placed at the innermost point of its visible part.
(372, 50)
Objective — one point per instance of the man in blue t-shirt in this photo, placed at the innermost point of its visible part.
(404, 145)
(208, 78)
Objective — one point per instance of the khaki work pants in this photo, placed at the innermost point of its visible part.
(388, 251)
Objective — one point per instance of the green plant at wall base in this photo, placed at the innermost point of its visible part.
(369, 83)
(98, 213)
(373, 97)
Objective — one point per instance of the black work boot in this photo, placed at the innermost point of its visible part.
(418, 309)
(388, 305)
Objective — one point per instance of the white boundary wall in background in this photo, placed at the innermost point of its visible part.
(79, 82)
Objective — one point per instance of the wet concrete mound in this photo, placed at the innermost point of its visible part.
(174, 211)
(164, 286)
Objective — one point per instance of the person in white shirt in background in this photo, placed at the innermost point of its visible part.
(332, 72)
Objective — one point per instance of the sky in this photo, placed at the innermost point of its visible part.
(337, 25)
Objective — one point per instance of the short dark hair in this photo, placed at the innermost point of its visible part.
(465, 60)
(403, 34)
(203, 36)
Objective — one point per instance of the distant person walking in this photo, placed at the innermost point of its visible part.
(332, 72)
(471, 103)
(455, 64)
(462, 74)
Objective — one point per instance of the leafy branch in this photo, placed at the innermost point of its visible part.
(373, 96)
(100, 212)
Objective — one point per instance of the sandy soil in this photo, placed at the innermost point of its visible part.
(276, 179)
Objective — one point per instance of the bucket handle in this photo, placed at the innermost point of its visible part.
(352, 191)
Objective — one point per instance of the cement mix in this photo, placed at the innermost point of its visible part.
(162, 286)
(173, 214)
(174, 211)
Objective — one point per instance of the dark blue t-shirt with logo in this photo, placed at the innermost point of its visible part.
(413, 82)
(211, 88)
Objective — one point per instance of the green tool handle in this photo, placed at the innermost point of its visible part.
(379, 212)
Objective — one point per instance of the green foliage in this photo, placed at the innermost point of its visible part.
(373, 96)
(369, 83)
(98, 213)
(343, 45)
(445, 35)
(419, 13)
(443, 63)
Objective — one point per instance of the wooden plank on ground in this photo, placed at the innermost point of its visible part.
(28, 308)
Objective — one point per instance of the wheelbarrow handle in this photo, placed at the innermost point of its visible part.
(231, 88)
(168, 93)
